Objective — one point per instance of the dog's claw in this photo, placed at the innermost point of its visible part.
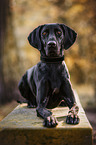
(50, 121)
(72, 120)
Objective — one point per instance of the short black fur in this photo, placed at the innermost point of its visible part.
(47, 84)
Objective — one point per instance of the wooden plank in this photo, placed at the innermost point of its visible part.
(23, 127)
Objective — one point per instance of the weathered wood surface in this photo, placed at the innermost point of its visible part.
(23, 127)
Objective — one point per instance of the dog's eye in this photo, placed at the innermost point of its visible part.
(44, 33)
(58, 33)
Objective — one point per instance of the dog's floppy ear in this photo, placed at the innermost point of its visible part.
(69, 36)
(35, 39)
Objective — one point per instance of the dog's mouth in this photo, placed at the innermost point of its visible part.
(52, 54)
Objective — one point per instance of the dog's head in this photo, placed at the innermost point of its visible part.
(52, 39)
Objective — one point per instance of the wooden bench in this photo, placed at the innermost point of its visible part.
(23, 127)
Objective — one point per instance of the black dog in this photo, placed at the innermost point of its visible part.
(46, 84)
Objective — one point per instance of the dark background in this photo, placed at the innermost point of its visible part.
(18, 18)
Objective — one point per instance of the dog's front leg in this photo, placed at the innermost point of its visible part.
(68, 96)
(42, 100)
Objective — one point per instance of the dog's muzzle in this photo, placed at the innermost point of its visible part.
(52, 48)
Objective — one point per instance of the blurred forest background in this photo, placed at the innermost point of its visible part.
(19, 17)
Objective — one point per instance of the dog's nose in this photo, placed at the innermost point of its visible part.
(51, 44)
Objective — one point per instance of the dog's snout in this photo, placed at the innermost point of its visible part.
(51, 44)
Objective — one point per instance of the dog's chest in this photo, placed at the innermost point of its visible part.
(54, 78)
(52, 73)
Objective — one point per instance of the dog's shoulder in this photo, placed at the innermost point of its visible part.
(30, 71)
(37, 72)
(65, 71)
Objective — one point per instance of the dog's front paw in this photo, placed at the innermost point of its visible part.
(50, 121)
(72, 119)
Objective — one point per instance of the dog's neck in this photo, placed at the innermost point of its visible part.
(52, 59)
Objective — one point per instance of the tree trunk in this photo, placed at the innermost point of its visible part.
(4, 8)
